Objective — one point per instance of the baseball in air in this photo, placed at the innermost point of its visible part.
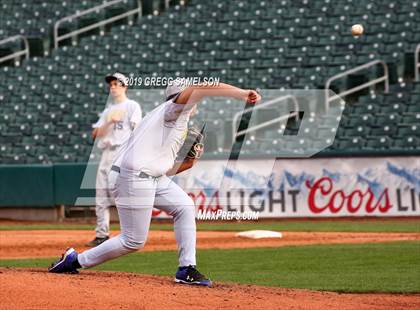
(357, 30)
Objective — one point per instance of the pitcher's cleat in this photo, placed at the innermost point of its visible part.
(190, 275)
(66, 264)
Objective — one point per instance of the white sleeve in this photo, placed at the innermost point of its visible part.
(174, 110)
(136, 114)
(102, 119)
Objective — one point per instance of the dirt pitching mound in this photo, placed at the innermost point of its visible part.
(50, 243)
(37, 289)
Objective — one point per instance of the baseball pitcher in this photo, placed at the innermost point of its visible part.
(111, 130)
(139, 173)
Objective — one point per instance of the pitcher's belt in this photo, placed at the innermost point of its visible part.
(141, 175)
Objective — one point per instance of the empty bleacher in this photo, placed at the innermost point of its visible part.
(48, 103)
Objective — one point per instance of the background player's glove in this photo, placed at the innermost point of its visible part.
(193, 146)
(115, 116)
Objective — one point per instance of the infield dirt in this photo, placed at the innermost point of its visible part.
(37, 289)
(51, 243)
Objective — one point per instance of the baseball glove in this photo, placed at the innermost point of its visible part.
(193, 146)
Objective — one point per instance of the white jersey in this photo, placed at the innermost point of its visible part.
(153, 146)
(118, 132)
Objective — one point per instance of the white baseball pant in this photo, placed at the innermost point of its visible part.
(104, 198)
(135, 198)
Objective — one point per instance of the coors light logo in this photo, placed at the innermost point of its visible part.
(335, 200)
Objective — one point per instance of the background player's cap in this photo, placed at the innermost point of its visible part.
(117, 76)
(175, 87)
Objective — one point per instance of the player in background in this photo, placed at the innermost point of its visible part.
(139, 174)
(112, 130)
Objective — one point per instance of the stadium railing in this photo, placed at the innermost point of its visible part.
(384, 78)
(24, 51)
(416, 63)
(58, 38)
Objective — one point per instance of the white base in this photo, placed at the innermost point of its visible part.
(259, 234)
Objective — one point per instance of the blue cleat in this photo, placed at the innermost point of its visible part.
(190, 275)
(66, 264)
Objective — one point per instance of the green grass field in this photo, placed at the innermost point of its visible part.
(380, 267)
(327, 225)
(377, 267)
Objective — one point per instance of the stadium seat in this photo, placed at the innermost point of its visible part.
(282, 47)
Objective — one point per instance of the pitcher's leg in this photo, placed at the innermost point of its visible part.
(134, 201)
(173, 200)
(135, 224)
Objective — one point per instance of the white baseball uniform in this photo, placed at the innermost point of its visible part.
(142, 184)
(116, 135)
